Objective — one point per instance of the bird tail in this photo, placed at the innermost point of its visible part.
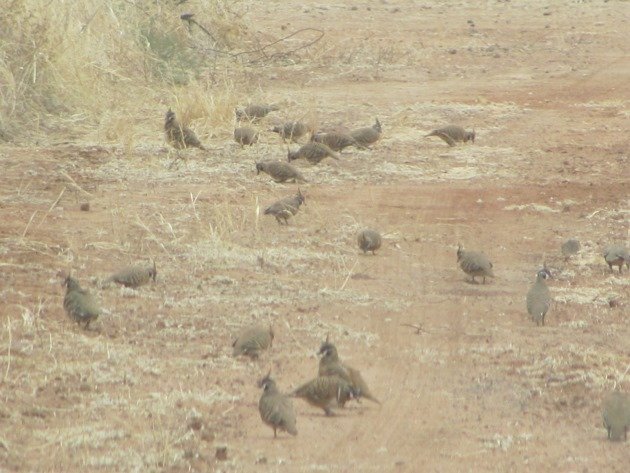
(371, 398)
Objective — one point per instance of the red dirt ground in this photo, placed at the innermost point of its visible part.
(153, 386)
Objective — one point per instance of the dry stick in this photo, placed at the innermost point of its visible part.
(193, 200)
(74, 183)
(28, 225)
(51, 207)
(262, 48)
(6, 373)
(418, 328)
(349, 274)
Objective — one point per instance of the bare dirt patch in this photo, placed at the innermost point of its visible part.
(154, 387)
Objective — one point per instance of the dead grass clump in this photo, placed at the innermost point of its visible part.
(63, 64)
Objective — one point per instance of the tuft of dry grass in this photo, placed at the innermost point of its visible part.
(63, 65)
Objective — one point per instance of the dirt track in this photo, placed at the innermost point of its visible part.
(153, 387)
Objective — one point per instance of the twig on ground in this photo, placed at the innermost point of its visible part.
(417, 328)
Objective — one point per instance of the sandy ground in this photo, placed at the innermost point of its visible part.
(153, 386)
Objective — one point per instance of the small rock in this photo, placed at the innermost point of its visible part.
(85, 207)
(221, 454)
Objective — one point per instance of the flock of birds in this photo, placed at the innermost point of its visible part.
(336, 383)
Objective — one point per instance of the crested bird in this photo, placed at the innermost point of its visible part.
(276, 409)
(179, 136)
(283, 209)
(368, 135)
(331, 365)
(538, 298)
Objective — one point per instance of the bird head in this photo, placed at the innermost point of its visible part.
(267, 383)
(544, 273)
(300, 197)
(153, 271)
(170, 116)
(70, 283)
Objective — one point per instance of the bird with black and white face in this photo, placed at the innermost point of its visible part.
(284, 209)
(331, 365)
(275, 408)
(538, 299)
(178, 135)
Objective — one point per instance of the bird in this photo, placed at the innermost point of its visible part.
(452, 134)
(291, 131)
(369, 240)
(330, 365)
(335, 141)
(368, 135)
(179, 136)
(474, 264)
(570, 247)
(538, 298)
(280, 171)
(326, 392)
(616, 415)
(276, 409)
(283, 209)
(312, 152)
(254, 112)
(245, 136)
(617, 255)
(252, 341)
(79, 304)
(134, 276)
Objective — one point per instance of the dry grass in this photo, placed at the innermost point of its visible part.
(63, 71)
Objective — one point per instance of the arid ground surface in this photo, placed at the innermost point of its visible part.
(153, 386)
